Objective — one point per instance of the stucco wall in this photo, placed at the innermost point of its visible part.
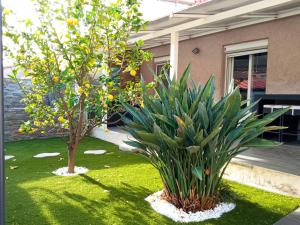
(283, 69)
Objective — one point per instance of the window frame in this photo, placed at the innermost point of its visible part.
(242, 49)
(160, 64)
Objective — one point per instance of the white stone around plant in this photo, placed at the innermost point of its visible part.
(7, 157)
(95, 152)
(49, 154)
(64, 171)
(178, 215)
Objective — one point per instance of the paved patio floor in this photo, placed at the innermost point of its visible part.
(285, 158)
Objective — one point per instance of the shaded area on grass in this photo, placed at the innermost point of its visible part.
(108, 195)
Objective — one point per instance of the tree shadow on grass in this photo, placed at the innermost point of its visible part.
(61, 210)
(138, 211)
(131, 208)
(25, 211)
(122, 205)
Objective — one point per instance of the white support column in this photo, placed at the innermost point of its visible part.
(174, 54)
(249, 91)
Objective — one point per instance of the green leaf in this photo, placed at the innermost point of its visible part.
(208, 90)
(184, 78)
(149, 137)
(233, 104)
(262, 143)
(203, 116)
(165, 119)
(198, 172)
(135, 144)
(193, 149)
(268, 118)
(213, 134)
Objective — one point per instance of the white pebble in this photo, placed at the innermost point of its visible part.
(178, 215)
(64, 171)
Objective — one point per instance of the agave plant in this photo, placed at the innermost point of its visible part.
(190, 137)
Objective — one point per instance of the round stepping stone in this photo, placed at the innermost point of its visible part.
(64, 171)
(7, 157)
(95, 152)
(49, 154)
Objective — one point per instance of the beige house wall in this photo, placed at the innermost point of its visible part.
(283, 66)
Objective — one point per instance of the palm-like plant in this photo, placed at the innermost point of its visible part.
(190, 138)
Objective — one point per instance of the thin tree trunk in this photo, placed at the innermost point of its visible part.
(71, 160)
(75, 136)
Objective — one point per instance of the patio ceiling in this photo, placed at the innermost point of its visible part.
(214, 16)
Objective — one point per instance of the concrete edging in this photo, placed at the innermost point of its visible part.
(291, 219)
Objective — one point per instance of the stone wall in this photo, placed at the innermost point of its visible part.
(13, 110)
(14, 113)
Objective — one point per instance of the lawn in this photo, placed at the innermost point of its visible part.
(112, 192)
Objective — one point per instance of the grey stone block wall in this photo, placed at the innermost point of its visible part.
(14, 113)
(13, 110)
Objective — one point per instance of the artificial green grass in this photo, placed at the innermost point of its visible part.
(113, 195)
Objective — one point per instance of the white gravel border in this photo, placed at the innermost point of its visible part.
(64, 171)
(94, 152)
(48, 154)
(178, 215)
(7, 157)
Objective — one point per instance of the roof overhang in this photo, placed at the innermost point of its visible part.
(214, 16)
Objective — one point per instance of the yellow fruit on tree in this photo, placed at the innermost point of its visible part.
(37, 123)
(105, 106)
(55, 79)
(69, 21)
(6, 11)
(21, 130)
(110, 84)
(33, 130)
(87, 85)
(72, 21)
(80, 90)
(132, 73)
(110, 97)
(34, 80)
(61, 119)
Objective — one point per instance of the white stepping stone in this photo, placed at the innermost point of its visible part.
(7, 157)
(49, 154)
(95, 152)
(169, 210)
(64, 171)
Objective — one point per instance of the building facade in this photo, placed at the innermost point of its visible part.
(272, 49)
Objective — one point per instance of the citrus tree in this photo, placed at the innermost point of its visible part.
(75, 52)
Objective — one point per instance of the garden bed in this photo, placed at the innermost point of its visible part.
(178, 215)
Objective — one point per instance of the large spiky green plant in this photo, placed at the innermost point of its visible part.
(190, 137)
